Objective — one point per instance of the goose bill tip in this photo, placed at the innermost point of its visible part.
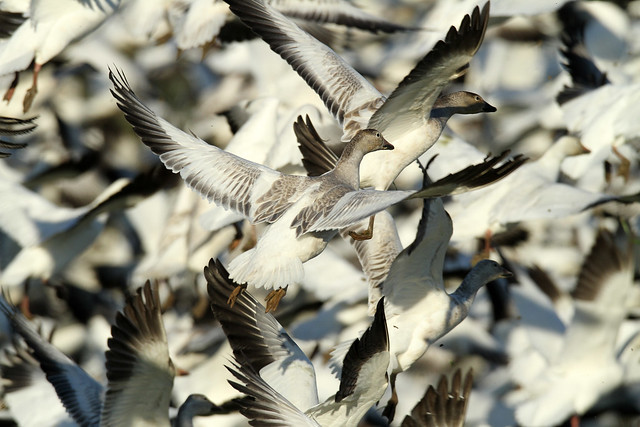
(488, 108)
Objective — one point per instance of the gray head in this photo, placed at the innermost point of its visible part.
(490, 270)
(462, 102)
(482, 273)
(368, 140)
(196, 405)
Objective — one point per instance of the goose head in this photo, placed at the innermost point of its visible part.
(368, 140)
(196, 405)
(464, 102)
(490, 270)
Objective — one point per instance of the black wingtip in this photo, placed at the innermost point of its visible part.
(373, 341)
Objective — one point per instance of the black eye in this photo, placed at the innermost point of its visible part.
(377, 134)
(477, 98)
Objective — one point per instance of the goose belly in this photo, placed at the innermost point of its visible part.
(276, 261)
(380, 168)
(411, 333)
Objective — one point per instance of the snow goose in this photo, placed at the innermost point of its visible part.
(584, 367)
(52, 236)
(530, 193)
(49, 28)
(302, 213)
(279, 376)
(444, 406)
(10, 126)
(139, 370)
(611, 125)
(419, 310)
(411, 118)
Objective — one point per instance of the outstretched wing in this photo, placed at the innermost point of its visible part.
(412, 100)
(360, 204)
(259, 341)
(339, 12)
(342, 88)
(139, 369)
(255, 191)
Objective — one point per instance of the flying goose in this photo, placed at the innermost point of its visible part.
(139, 370)
(47, 30)
(279, 376)
(411, 118)
(419, 310)
(530, 193)
(52, 236)
(585, 365)
(302, 213)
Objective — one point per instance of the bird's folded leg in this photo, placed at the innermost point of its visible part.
(235, 293)
(238, 237)
(625, 164)
(485, 253)
(274, 297)
(390, 410)
(31, 93)
(12, 88)
(366, 234)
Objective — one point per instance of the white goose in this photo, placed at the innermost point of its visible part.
(139, 370)
(51, 236)
(303, 213)
(279, 376)
(50, 26)
(530, 193)
(419, 310)
(585, 365)
(411, 118)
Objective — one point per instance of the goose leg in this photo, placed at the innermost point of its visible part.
(390, 410)
(274, 297)
(171, 299)
(201, 307)
(366, 234)
(238, 237)
(235, 293)
(12, 88)
(575, 421)
(625, 164)
(486, 250)
(31, 93)
(25, 303)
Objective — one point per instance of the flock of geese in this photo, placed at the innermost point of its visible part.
(287, 212)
